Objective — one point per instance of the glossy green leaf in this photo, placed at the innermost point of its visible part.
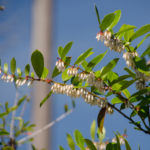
(93, 130)
(124, 28)
(27, 70)
(13, 65)
(109, 66)
(126, 93)
(66, 50)
(45, 73)
(100, 119)
(90, 144)
(127, 145)
(37, 61)
(97, 15)
(128, 34)
(79, 139)
(143, 30)
(141, 42)
(83, 56)
(146, 52)
(65, 76)
(46, 98)
(107, 21)
(70, 142)
(84, 64)
(56, 72)
(116, 100)
(95, 61)
(60, 49)
(126, 84)
(116, 19)
(111, 146)
(5, 68)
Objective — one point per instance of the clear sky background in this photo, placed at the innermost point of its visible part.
(73, 20)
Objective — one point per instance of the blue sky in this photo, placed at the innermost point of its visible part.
(73, 20)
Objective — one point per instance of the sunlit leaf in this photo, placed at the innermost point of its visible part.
(107, 21)
(83, 56)
(5, 68)
(13, 65)
(116, 19)
(127, 145)
(97, 15)
(93, 130)
(70, 142)
(143, 30)
(60, 49)
(27, 69)
(66, 50)
(45, 73)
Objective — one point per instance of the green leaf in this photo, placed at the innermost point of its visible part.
(83, 56)
(45, 73)
(109, 66)
(116, 100)
(13, 65)
(66, 50)
(66, 108)
(127, 145)
(124, 28)
(46, 98)
(70, 142)
(130, 72)
(55, 72)
(3, 132)
(111, 146)
(89, 144)
(65, 76)
(84, 64)
(79, 139)
(107, 21)
(100, 119)
(143, 30)
(33, 147)
(5, 68)
(61, 148)
(126, 93)
(128, 34)
(146, 52)
(142, 41)
(93, 130)
(120, 79)
(116, 19)
(27, 70)
(19, 72)
(101, 135)
(60, 50)
(37, 61)
(21, 100)
(118, 143)
(97, 15)
(95, 61)
(32, 74)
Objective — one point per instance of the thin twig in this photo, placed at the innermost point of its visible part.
(130, 119)
(13, 116)
(21, 141)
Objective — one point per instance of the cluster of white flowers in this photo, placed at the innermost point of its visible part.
(128, 56)
(113, 43)
(82, 76)
(69, 90)
(7, 78)
(60, 65)
(109, 110)
(121, 140)
(21, 82)
(72, 71)
(95, 82)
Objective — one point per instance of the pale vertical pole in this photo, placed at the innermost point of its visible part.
(42, 40)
